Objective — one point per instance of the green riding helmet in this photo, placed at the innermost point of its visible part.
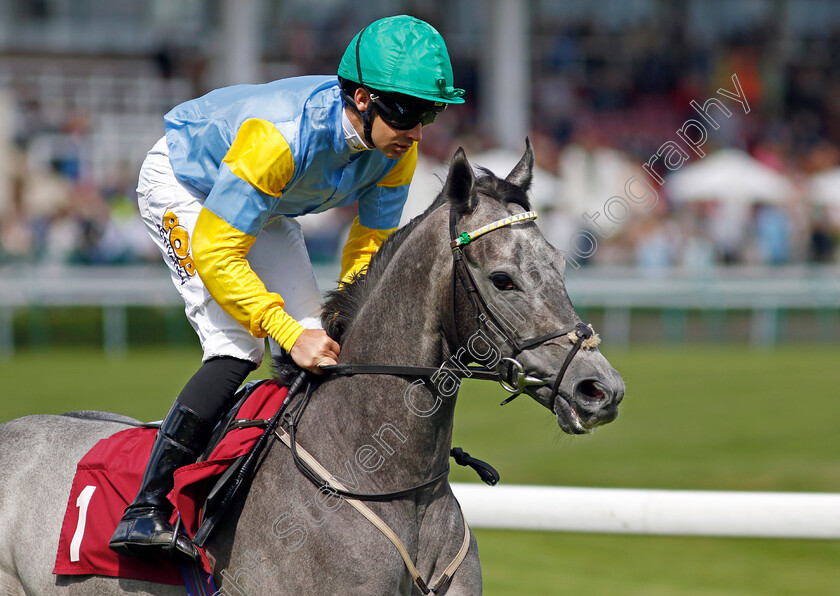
(402, 55)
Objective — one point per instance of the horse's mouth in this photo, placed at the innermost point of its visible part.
(568, 418)
(592, 401)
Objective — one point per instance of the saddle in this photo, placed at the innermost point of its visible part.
(108, 476)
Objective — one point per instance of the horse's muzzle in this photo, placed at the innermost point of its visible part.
(593, 402)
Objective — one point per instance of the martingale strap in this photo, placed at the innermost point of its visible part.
(380, 524)
(292, 419)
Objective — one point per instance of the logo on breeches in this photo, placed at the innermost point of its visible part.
(177, 241)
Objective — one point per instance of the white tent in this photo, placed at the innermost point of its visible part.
(824, 188)
(729, 176)
(592, 175)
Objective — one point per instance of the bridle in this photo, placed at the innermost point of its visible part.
(509, 373)
(513, 379)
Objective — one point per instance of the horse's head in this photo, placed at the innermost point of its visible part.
(520, 313)
(503, 303)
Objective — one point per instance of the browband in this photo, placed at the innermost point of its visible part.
(465, 238)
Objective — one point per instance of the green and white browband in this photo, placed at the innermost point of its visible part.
(465, 238)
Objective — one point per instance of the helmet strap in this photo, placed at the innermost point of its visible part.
(367, 121)
(367, 116)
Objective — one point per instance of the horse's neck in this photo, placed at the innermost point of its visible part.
(405, 420)
(402, 320)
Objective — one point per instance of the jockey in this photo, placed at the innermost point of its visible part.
(219, 194)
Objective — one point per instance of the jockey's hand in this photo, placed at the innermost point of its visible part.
(314, 348)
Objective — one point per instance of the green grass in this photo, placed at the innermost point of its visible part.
(724, 418)
(543, 564)
(693, 418)
(143, 384)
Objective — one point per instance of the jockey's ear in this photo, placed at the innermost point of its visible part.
(460, 183)
(522, 173)
(361, 99)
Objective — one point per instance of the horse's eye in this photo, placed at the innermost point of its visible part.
(502, 282)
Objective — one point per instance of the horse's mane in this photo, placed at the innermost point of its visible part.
(343, 305)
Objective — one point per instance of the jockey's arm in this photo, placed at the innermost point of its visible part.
(219, 252)
(361, 245)
(252, 175)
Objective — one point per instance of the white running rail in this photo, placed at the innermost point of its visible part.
(665, 512)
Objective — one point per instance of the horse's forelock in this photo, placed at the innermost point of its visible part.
(505, 192)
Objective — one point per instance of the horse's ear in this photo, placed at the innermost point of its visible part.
(460, 183)
(522, 173)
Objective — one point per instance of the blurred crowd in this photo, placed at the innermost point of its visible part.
(610, 97)
(604, 100)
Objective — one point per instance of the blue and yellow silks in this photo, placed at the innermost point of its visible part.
(261, 151)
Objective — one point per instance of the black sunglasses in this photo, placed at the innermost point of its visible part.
(404, 112)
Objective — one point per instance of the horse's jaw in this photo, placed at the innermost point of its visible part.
(568, 419)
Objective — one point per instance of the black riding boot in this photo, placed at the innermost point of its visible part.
(144, 528)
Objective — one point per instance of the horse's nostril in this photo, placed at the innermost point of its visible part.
(592, 392)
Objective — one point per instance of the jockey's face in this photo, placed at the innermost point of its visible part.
(392, 142)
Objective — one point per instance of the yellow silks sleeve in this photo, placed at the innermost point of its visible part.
(219, 253)
(361, 245)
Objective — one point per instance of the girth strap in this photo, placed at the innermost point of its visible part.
(383, 527)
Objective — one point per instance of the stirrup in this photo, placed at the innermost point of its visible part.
(178, 547)
(181, 546)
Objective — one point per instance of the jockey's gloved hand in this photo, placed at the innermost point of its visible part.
(313, 349)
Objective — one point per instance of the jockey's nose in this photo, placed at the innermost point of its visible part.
(416, 133)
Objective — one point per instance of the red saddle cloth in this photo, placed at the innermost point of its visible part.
(107, 480)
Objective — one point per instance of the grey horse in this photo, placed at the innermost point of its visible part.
(377, 433)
